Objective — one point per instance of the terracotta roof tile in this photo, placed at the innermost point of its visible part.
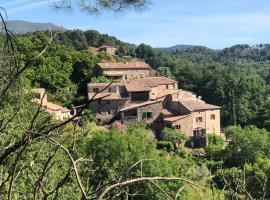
(52, 107)
(156, 81)
(145, 84)
(166, 112)
(193, 105)
(124, 65)
(137, 86)
(163, 93)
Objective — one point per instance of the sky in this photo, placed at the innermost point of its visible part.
(213, 23)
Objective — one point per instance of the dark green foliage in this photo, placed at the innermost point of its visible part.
(230, 78)
(215, 146)
(165, 145)
(170, 135)
(82, 40)
(247, 144)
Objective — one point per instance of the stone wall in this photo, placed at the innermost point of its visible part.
(154, 109)
(210, 125)
(185, 124)
(128, 74)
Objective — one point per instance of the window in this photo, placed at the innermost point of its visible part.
(95, 89)
(110, 90)
(177, 126)
(213, 117)
(167, 86)
(199, 119)
(147, 115)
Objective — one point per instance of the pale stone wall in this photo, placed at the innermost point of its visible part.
(154, 91)
(128, 74)
(186, 125)
(210, 125)
(155, 108)
(213, 125)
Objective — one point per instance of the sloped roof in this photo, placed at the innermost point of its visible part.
(137, 86)
(52, 107)
(163, 93)
(124, 65)
(193, 105)
(156, 81)
(175, 118)
(165, 112)
(145, 84)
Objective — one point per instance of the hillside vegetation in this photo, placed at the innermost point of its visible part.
(40, 158)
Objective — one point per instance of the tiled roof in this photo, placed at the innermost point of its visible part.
(124, 65)
(193, 105)
(184, 95)
(156, 81)
(137, 86)
(163, 93)
(52, 107)
(145, 84)
(175, 118)
(166, 112)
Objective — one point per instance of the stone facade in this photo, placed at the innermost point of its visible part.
(125, 71)
(59, 112)
(108, 49)
(148, 112)
(158, 101)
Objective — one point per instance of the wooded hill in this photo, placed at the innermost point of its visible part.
(42, 158)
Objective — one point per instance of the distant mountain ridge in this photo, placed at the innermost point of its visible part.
(179, 47)
(23, 27)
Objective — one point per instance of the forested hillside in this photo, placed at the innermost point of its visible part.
(41, 158)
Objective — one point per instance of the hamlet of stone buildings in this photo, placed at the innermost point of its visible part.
(136, 96)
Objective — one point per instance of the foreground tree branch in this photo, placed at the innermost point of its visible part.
(137, 180)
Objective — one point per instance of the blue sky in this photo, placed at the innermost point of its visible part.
(213, 23)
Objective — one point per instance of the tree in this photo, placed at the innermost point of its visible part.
(247, 144)
(170, 135)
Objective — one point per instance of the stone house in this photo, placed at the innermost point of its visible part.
(124, 70)
(193, 117)
(106, 49)
(158, 101)
(60, 113)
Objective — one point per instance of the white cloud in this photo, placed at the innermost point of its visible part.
(27, 5)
